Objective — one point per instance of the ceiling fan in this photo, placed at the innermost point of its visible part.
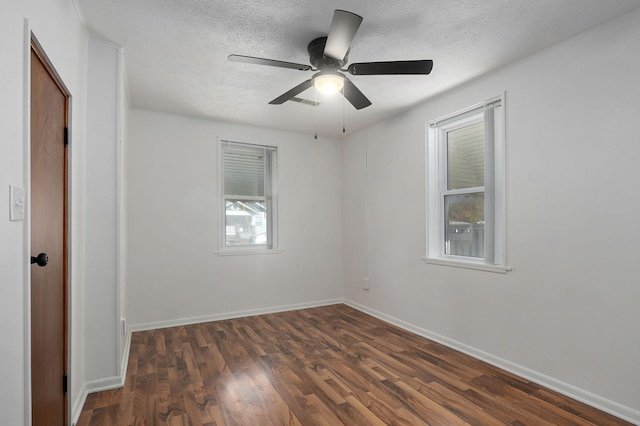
(328, 55)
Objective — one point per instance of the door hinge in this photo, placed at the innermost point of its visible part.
(66, 137)
(65, 384)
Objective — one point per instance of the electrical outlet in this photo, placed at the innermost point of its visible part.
(365, 283)
(16, 202)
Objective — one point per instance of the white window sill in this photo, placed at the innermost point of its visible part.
(248, 252)
(500, 269)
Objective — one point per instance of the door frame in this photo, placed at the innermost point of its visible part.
(30, 39)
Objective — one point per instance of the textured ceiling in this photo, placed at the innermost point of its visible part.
(176, 51)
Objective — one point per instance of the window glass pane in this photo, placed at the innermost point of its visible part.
(464, 226)
(244, 172)
(465, 157)
(245, 223)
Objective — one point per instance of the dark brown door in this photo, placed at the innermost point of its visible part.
(48, 236)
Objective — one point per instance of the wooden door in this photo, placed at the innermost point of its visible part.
(48, 236)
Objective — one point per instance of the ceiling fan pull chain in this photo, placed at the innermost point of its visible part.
(315, 114)
(343, 129)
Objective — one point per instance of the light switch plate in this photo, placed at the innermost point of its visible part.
(16, 203)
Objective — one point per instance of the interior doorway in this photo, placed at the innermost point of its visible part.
(49, 251)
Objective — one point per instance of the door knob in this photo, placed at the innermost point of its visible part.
(42, 259)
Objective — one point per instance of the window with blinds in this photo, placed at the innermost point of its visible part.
(248, 187)
(466, 186)
(463, 192)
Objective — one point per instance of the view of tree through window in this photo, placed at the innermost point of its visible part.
(465, 224)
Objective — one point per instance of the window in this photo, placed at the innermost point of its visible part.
(248, 188)
(465, 192)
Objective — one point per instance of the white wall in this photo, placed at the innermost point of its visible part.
(57, 27)
(174, 274)
(125, 106)
(567, 314)
(102, 332)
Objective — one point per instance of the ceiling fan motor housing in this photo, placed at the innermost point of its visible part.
(319, 60)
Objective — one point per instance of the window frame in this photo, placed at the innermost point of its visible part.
(272, 246)
(492, 112)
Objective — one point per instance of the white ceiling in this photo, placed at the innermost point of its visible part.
(176, 50)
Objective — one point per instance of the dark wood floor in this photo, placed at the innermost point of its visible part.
(331, 365)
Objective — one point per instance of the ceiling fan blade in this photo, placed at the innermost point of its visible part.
(391, 67)
(270, 62)
(344, 26)
(354, 95)
(292, 93)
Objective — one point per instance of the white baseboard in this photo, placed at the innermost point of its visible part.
(107, 383)
(90, 387)
(124, 362)
(596, 401)
(102, 384)
(231, 315)
(76, 407)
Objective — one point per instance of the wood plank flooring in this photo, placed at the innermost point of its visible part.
(331, 365)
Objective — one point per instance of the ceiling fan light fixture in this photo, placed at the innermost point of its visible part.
(328, 56)
(328, 83)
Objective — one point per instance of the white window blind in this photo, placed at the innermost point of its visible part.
(244, 171)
